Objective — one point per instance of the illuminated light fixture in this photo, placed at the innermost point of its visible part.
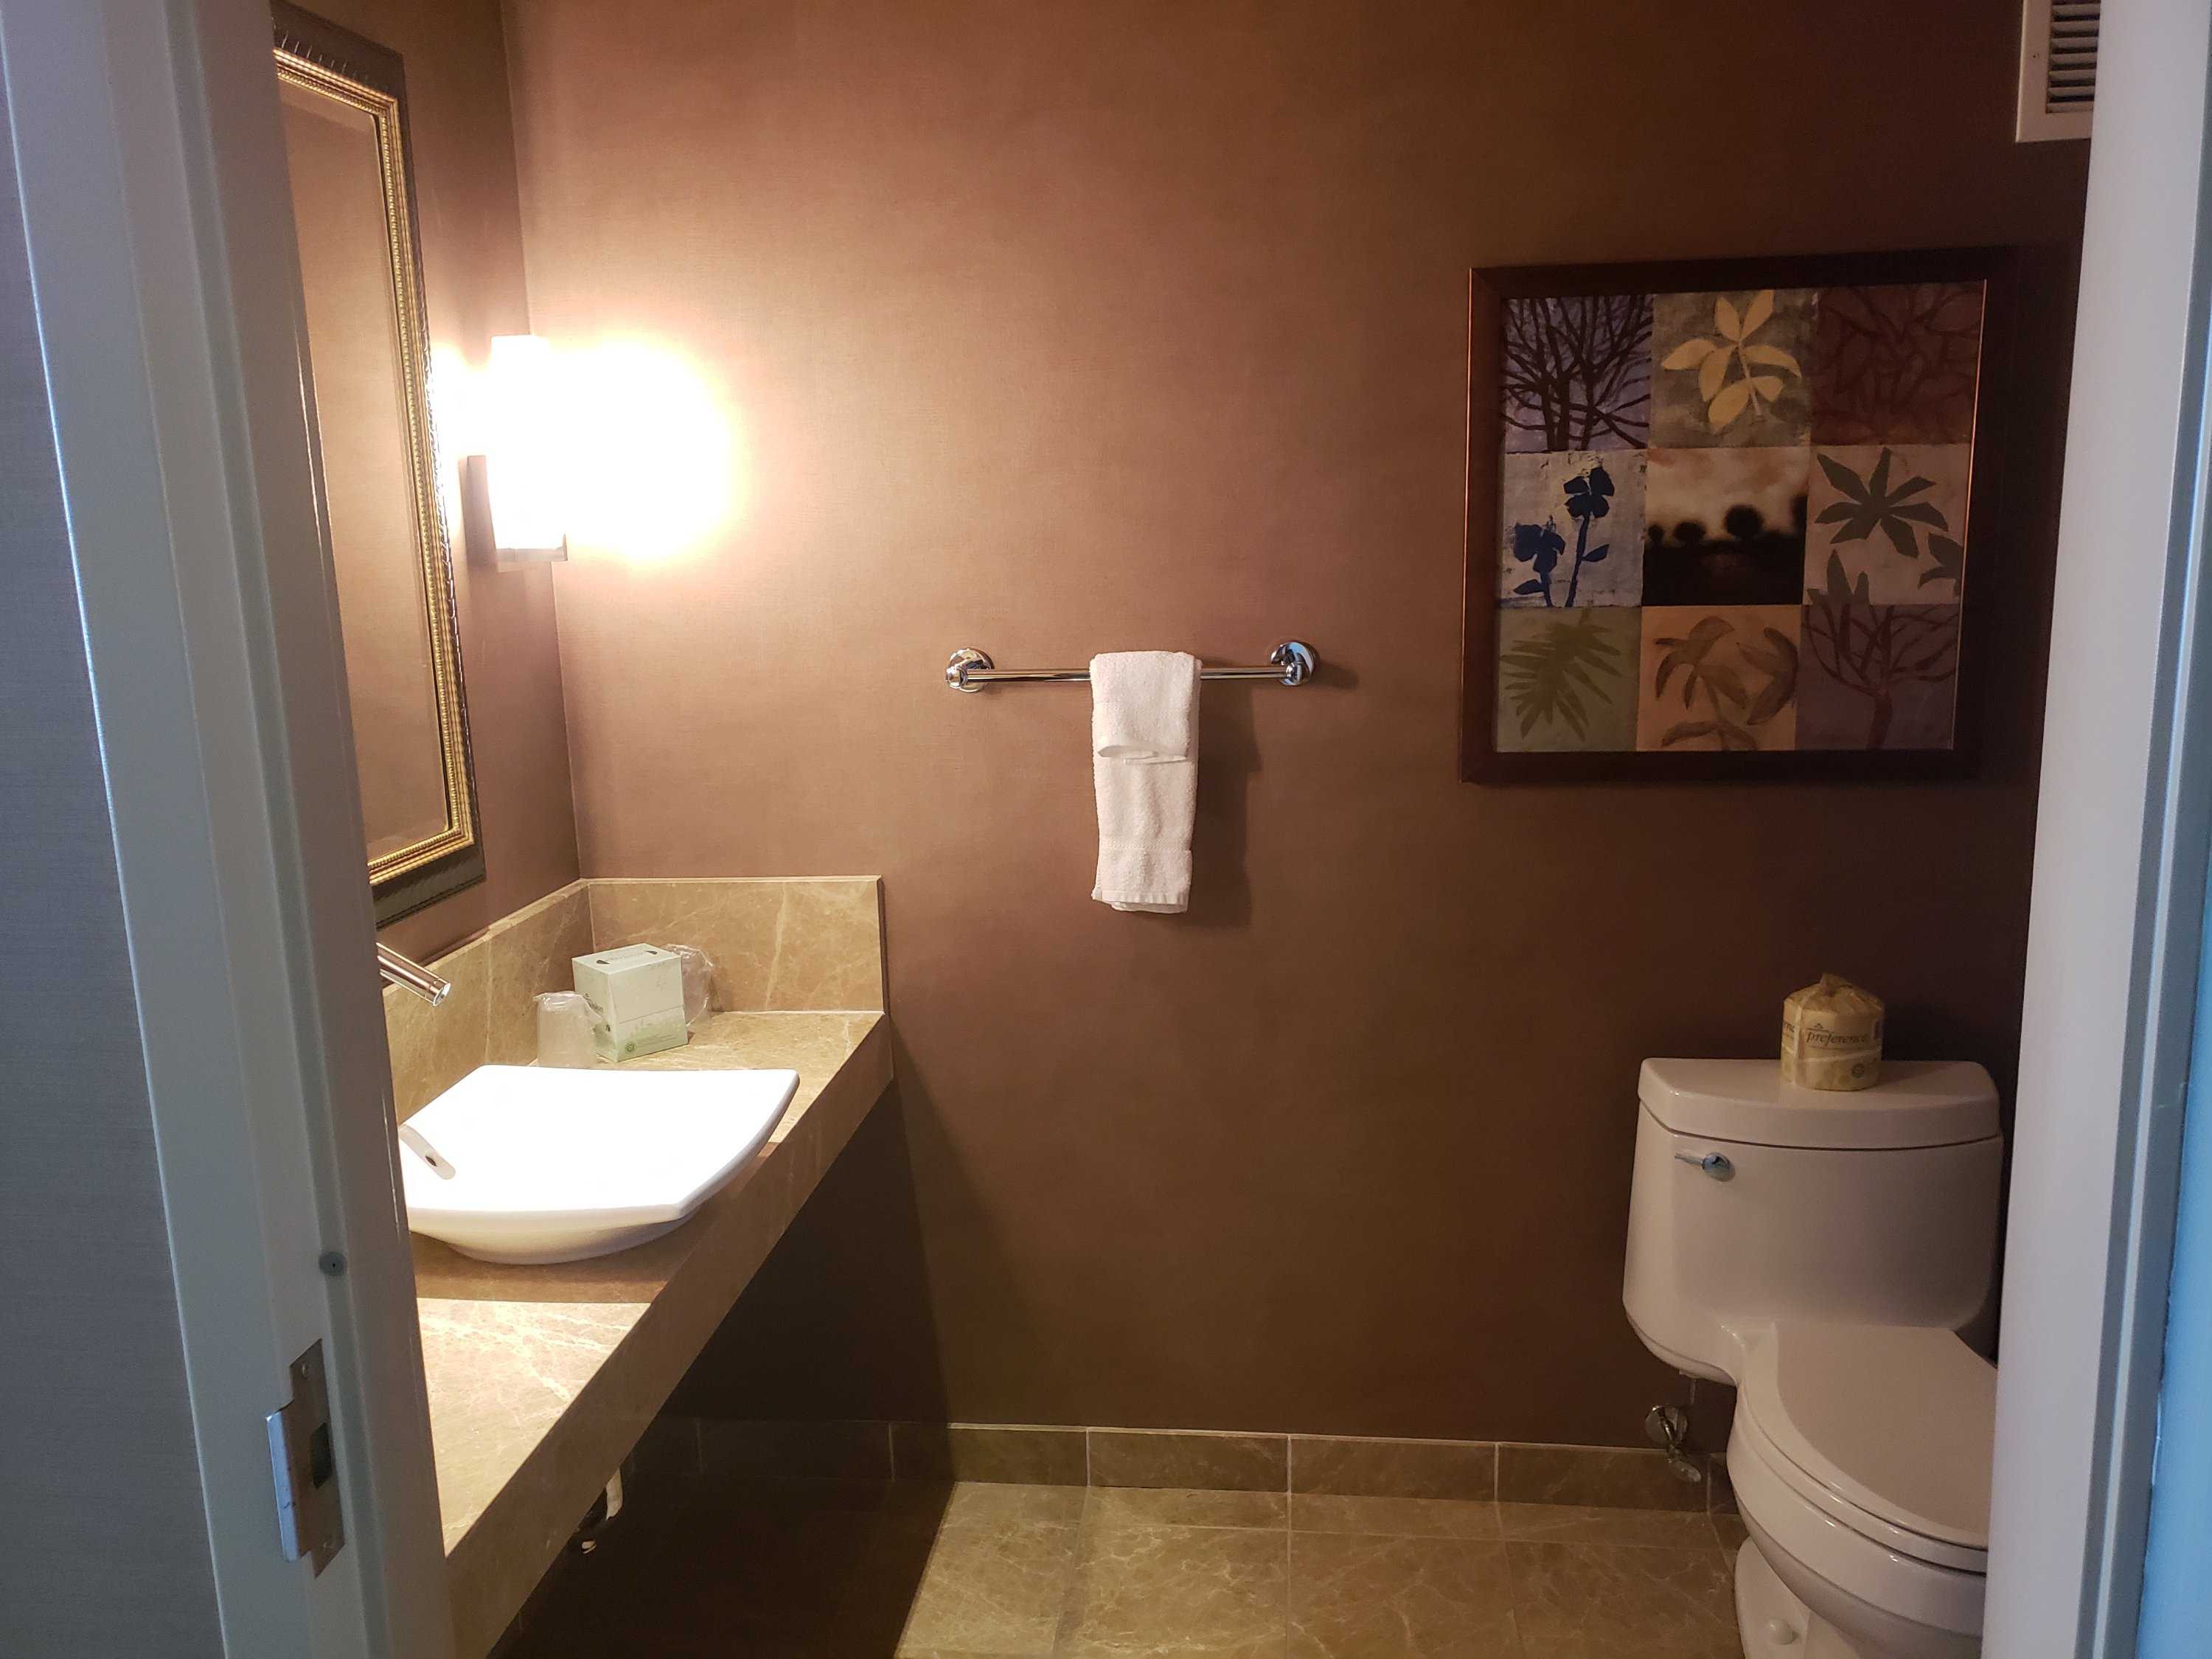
(524, 445)
(657, 467)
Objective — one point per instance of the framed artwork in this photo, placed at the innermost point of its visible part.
(1724, 518)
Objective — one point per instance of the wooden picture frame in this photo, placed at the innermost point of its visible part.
(364, 372)
(1852, 414)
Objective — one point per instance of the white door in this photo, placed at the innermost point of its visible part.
(2123, 829)
(156, 219)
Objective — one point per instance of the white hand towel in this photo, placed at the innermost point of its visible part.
(1144, 766)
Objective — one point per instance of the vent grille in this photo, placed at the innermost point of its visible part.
(2057, 68)
(2069, 77)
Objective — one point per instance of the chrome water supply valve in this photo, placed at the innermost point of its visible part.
(1668, 1427)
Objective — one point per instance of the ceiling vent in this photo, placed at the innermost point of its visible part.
(2058, 69)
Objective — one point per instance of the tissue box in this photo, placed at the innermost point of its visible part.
(636, 994)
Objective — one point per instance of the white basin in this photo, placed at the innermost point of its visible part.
(556, 1165)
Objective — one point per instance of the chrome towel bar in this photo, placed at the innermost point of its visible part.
(1292, 663)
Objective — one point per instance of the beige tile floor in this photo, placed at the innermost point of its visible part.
(861, 1570)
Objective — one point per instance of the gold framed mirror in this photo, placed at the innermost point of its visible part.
(364, 371)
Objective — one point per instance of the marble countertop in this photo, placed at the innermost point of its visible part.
(541, 1379)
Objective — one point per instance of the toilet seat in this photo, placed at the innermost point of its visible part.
(1883, 1598)
(1885, 1429)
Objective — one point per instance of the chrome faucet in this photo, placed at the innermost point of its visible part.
(417, 978)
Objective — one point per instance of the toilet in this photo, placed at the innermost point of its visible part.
(1822, 1253)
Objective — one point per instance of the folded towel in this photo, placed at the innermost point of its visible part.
(1144, 705)
(1144, 766)
(1145, 812)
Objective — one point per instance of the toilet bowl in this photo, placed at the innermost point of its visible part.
(1861, 1459)
(1821, 1253)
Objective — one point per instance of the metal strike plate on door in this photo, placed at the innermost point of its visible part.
(305, 1462)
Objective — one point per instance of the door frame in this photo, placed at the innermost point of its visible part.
(2124, 827)
(150, 162)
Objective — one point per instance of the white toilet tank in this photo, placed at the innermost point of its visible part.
(1755, 1200)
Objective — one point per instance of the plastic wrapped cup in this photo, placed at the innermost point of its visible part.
(698, 983)
(564, 1030)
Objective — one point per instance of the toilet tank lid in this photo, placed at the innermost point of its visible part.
(1918, 1102)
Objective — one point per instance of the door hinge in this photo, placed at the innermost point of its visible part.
(305, 1462)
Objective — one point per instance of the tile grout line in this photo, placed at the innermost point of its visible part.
(1289, 1552)
(1512, 1586)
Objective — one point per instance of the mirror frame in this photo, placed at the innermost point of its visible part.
(325, 58)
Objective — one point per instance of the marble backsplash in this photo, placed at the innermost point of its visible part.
(777, 944)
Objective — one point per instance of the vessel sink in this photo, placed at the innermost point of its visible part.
(556, 1165)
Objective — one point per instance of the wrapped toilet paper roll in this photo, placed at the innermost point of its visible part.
(1831, 1037)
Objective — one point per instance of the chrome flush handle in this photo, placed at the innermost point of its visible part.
(1715, 1164)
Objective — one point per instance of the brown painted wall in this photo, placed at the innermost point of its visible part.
(1058, 329)
(471, 228)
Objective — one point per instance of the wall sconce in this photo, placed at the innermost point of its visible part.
(621, 445)
(518, 476)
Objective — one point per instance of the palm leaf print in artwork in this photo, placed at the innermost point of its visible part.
(1733, 708)
(1872, 503)
(1553, 675)
(1735, 372)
